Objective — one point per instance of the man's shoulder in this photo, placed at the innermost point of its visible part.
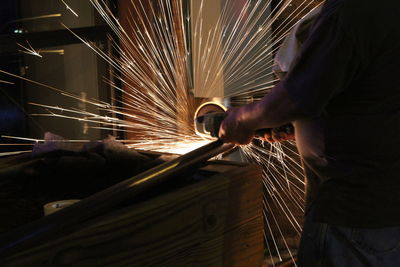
(358, 9)
(371, 19)
(352, 9)
(332, 7)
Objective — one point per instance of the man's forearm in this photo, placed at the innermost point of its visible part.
(273, 110)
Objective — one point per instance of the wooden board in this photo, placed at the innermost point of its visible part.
(215, 222)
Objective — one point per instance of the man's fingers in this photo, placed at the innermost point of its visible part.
(290, 137)
(231, 131)
(221, 132)
(282, 136)
(276, 135)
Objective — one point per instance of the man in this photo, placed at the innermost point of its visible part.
(343, 96)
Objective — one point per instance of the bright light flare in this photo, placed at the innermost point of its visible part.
(179, 147)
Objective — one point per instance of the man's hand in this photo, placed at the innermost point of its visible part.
(277, 135)
(273, 110)
(232, 129)
(240, 125)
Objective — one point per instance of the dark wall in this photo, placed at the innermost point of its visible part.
(12, 118)
(74, 68)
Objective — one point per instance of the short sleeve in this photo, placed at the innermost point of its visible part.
(327, 64)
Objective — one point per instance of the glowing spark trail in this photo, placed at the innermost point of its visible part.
(69, 8)
(29, 50)
(4, 154)
(52, 51)
(49, 16)
(7, 82)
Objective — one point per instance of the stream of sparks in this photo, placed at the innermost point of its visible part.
(157, 108)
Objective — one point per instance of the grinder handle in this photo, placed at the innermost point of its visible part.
(210, 123)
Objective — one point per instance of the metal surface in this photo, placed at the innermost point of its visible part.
(71, 219)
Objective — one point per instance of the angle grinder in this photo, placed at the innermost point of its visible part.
(209, 116)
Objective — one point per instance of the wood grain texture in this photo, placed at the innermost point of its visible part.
(215, 222)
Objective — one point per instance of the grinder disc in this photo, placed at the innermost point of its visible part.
(201, 126)
(208, 107)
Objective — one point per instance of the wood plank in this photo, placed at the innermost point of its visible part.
(216, 221)
(241, 247)
(70, 219)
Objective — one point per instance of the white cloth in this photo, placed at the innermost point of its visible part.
(291, 45)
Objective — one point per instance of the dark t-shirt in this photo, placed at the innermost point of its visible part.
(347, 81)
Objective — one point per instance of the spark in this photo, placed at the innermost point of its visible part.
(36, 140)
(56, 15)
(53, 51)
(4, 154)
(23, 138)
(7, 82)
(29, 50)
(69, 8)
(17, 144)
(96, 103)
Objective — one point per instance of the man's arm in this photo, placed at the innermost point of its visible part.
(328, 63)
(273, 110)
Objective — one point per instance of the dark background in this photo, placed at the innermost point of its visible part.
(66, 64)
